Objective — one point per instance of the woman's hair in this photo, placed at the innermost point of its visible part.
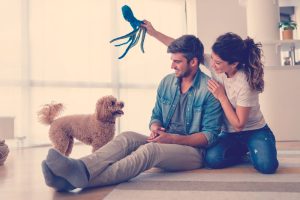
(232, 48)
(190, 46)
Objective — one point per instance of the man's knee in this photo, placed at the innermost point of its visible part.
(130, 135)
(131, 138)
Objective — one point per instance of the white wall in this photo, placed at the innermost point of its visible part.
(280, 100)
(216, 17)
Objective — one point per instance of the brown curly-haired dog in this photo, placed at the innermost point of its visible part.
(95, 129)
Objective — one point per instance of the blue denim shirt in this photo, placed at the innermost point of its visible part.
(203, 112)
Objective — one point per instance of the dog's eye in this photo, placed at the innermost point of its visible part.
(113, 103)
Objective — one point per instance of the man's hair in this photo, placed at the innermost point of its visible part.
(190, 46)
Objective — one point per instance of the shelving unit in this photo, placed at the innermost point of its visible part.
(288, 47)
(285, 45)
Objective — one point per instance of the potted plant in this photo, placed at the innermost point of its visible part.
(287, 27)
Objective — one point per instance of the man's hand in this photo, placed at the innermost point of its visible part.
(162, 137)
(154, 130)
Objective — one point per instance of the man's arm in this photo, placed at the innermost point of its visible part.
(194, 140)
(156, 121)
(212, 119)
(210, 126)
(166, 40)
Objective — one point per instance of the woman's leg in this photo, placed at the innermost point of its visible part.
(262, 147)
(227, 152)
(171, 157)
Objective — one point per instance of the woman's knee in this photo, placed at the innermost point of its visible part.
(266, 166)
(263, 153)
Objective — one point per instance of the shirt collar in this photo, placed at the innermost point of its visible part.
(196, 80)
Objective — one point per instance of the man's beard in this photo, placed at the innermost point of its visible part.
(186, 73)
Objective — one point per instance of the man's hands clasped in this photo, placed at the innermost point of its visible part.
(159, 135)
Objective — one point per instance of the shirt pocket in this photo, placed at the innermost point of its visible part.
(165, 104)
(196, 118)
(165, 101)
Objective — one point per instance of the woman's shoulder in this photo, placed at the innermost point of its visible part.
(241, 78)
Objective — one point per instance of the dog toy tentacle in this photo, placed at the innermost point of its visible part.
(127, 49)
(136, 38)
(144, 31)
(129, 39)
(125, 36)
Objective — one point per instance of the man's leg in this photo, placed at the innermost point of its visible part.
(227, 152)
(78, 172)
(171, 157)
(263, 153)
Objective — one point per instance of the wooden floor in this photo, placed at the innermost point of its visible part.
(21, 176)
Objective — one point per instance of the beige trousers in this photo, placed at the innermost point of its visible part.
(129, 154)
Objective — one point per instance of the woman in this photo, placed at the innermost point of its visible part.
(237, 72)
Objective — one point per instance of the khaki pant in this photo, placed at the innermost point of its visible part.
(129, 154)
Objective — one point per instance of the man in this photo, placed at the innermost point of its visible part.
(185, 120)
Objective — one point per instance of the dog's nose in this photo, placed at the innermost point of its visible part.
(121, 104)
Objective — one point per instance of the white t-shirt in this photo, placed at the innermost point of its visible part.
(239, 93)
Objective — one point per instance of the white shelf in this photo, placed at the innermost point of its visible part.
(284, 3)
(283, 67)
(286, 45)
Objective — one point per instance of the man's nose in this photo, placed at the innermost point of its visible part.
(173, 66)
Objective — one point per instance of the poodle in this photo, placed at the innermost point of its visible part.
(95, 129)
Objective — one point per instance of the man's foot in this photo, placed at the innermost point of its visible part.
(72, 170)
(55, 182)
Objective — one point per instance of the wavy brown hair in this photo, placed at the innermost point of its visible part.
(232, 48)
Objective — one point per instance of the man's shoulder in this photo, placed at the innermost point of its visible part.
(169, 78)
(203, 80)
(202, 86)
(204, 76)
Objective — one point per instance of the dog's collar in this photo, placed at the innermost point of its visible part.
(108, 122)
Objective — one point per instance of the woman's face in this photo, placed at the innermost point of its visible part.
(221, 66)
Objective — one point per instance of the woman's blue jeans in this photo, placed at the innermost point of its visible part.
(232, 147)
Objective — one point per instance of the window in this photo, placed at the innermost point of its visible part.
(59, 50)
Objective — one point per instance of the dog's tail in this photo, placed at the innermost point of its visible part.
(49, 112)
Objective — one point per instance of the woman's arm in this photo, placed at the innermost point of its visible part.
(238, 117)
(166, 40)
(156, 34)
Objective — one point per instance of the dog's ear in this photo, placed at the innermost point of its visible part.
(100, 109)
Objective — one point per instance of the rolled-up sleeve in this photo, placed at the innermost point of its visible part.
(212, 119)
(156, 116)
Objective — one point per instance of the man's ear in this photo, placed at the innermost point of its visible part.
(194, 62)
